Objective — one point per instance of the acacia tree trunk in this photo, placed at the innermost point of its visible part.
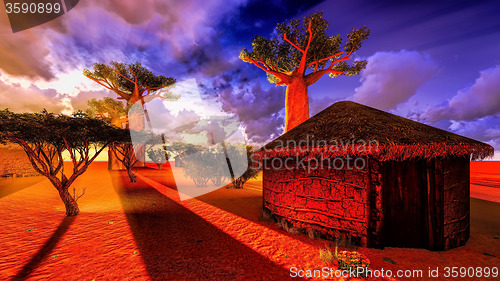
(238, 183)
(131, 175)
(296, 103)
(69, 202)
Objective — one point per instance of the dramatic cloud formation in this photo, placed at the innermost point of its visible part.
(473, 112)
(485, 129)
(169, 37)
(79, 102)
(98, 31)
(23, 53)
(256, 107)
(264, 129)
(66, 94)
(29, 99)
(391, 78)
(480, 100)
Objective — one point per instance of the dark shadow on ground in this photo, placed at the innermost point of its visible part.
(11, 185)
(163, 176)
(247, 206)
(177, 244)
(45, 250)
(245, 203)
(485, 215)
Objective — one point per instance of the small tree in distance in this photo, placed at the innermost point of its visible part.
(251, 171)
(125, 153)
(130, 152)
(299, 55)
(158, 156)
(45, 136)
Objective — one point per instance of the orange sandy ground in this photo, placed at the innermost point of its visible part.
(141, 231)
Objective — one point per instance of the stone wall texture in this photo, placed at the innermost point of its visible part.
(456, 202)
(332, 201)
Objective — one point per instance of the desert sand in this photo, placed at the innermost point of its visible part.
(142, 231)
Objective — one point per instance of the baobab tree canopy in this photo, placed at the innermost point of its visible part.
(303, 44)
(108, 109)
(300, 54)
(130, 82)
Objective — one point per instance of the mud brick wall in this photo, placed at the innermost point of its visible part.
(14, 162)
(456, 202)
(332, 201)
(376, 203)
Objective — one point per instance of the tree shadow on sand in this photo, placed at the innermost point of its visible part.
(12, 185)
(45, 250)
(246, 206)
(239, 202)
(176, 244)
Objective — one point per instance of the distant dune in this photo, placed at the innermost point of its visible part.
(485, 180)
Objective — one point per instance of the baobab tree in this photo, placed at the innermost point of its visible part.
(131, 82)
(299, 55)
(107, 109)
(45, 136)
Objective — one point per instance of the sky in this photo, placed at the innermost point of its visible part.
(435, 62)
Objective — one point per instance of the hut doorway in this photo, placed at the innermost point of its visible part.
(404, 196)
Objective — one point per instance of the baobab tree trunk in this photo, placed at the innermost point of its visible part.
(296, 103)
(69, 202)
(136, 123)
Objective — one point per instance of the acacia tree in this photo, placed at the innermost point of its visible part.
(129, 151)
(125, 153)
(299, 55)
(158, 156)
(131, 82)
(251, 171)
(44, 137)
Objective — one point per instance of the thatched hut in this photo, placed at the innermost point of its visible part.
(402, 183)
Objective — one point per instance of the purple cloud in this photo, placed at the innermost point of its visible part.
(32, 99)
(79, 102)
(262, 130)
(257, 108)
(391, 78)
(23, 53)
(484, 129)
(480, 100)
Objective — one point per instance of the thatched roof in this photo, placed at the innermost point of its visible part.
(349, 128)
